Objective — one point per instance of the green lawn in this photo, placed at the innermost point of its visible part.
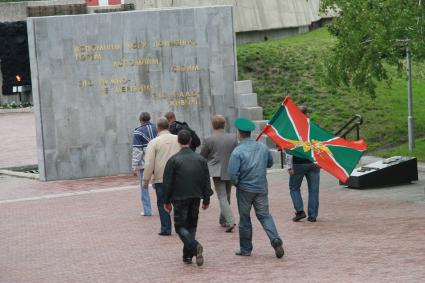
(403, 150)
(294, 66)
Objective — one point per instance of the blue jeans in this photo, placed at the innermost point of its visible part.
(164, 216)
(312, 174)
(144, 195)
(260, 202)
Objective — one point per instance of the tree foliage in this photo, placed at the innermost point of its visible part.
(371, 36)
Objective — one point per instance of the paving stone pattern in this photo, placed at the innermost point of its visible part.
(360, 236)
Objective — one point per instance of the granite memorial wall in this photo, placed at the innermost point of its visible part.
(93, 74)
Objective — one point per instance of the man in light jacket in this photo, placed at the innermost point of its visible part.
(217, 149)
(159, 150)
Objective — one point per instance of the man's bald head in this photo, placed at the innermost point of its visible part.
(162, 124)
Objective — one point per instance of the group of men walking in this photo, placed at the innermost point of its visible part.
(166, 156)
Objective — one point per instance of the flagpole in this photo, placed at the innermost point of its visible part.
(262, 132)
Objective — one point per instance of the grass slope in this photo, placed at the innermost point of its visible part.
(403, 150)
(294, 66)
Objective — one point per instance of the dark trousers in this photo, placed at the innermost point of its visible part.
(164, 216)
(185, 222)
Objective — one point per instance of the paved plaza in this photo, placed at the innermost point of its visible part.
(91, 230)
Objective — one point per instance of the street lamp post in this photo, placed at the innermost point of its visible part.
(410, 119)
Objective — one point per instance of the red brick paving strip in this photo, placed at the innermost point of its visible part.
(100, 237)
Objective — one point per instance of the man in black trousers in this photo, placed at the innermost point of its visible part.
(186, 181)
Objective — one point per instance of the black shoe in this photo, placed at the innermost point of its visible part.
(277, 245)
(311, 219)
(298, 216)
(229, 228)
(242, 254)
(199, 257)
(187, 260)
(164, 234)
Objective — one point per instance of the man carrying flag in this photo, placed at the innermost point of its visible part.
(293, 131)
(298, 168)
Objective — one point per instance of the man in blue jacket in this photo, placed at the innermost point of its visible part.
(142, 135)
(248, 171)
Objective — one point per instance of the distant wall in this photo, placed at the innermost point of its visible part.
(17, 11)
(253, 15)
(250, 15)
(257, 20)
(13, 11)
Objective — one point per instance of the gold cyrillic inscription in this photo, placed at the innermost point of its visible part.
(135, 62)
(137, 45)
(174, 43)
(188, 68)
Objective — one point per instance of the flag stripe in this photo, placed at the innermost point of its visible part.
(273, 134)
(358, 145)
(298, 119)
(281, 142)
(329, 164)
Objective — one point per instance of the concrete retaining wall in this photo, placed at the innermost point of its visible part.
(250, 15)
(17, 11)
(253, 15)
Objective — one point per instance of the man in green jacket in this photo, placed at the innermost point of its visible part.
(186, 181)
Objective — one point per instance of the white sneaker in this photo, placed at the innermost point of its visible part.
(143, 214)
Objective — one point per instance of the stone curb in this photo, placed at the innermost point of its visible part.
(363, 161)
(17, 110)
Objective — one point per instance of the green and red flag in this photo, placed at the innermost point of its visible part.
(294, 132)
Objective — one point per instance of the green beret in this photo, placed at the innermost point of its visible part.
(244, 124)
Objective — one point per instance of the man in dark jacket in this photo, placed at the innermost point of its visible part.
(186, 180)
(176, 127)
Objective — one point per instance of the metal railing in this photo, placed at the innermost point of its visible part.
(353, 123)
